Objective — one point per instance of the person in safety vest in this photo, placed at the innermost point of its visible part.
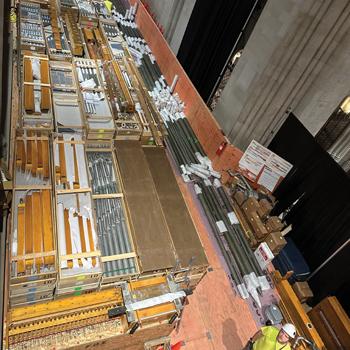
(272, 338)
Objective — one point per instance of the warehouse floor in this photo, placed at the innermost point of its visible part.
(215, 318)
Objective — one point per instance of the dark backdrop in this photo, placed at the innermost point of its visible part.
(211, 33)
(321, 218)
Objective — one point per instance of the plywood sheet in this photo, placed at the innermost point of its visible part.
(152, 238)
(181, 227)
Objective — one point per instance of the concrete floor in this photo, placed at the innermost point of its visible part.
(215, 317)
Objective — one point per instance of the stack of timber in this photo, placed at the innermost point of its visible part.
(118, 254)
(56, 40)
(36, 94)
(65, 98)
(31, 31)
(33, 252)
(97, 113)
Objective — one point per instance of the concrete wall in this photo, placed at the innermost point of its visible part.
(297, 59)
(173, 15)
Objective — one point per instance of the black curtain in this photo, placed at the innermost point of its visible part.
(211, 33)
(321, 218)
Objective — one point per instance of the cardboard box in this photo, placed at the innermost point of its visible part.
(265, 208)
(259, 228)
(239, 197)
(275, 241)
(263, 255)
(302, 291)
(274, 224)
(252, 204)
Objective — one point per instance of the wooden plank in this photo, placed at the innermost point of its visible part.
(28, 89)
(91, 240)
(179, 221)
(40, 158)
(76, 183)
(20, 155)
(34, 158)
(156, 310)
(152, 238)
(47, 226)
(45, 156)
(118, 257)
(28, 230)
(37, 228)
(68, 236)
(28, 166)
(82, 235)
(112, 295)
(332, 323)
(45, 91)
(148, 282)
(62, 161)
(20, 235)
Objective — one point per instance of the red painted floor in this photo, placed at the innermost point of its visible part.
(215, 317)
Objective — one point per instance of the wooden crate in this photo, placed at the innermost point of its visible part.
(69, 164)
(113, 36)
(31, 298)
(124, 256)
(37, 262)
(87, 14)
(27, 42)
(43, 284)
(36, 94)
(332, 323)
(32, 166)
(95, 106)
(77, 290)
(78, 250)
(55, 36)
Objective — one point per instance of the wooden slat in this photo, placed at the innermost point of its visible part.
(20, 235)
(66, 305)
(47, 226)
(37, 228)
(76, 183)
(154, 311)
(68, 236)
(82, 236)
(45, 156)
(45, 91)
(29, 162)
(91, 240)
(20, 155)
(28, 89)
(143, 283)
(28, 230)
(62, 162)
(40, 158)
(34, 159)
